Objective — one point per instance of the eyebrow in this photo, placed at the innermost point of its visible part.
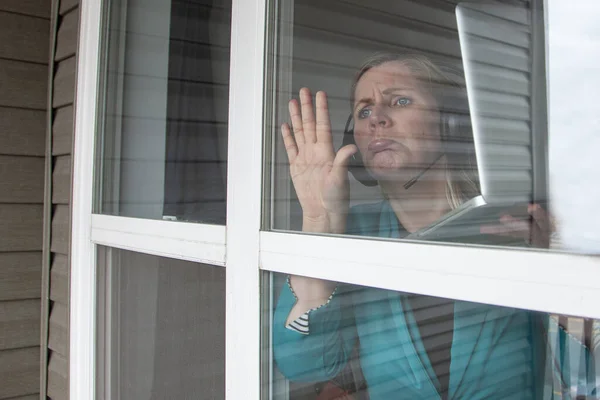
(386, 91)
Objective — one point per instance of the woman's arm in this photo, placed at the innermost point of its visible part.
(320, 178)
(310, 293)
(322, 353)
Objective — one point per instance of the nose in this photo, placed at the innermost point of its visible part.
(379, 118)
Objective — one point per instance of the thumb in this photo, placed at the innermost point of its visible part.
(342, 158)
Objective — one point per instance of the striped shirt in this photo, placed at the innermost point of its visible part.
(300, 324)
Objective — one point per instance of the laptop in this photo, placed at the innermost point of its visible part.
(506, 94)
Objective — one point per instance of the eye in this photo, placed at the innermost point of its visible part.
(364, 113)
(402, 101)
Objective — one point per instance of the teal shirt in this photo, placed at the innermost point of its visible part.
(496, 352)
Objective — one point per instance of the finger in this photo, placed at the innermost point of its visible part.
(288, 141)
(542, 226)
(308, 116)
(297, 126)
(539, 238)
(509, 226)
(342, 158)
(502, 230)
(323, 123)
(539, 216)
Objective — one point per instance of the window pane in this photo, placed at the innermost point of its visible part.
(162, 328)
(368, 343)
(436, 127)
(164, 121)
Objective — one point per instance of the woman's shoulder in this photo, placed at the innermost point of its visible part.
(364, 219)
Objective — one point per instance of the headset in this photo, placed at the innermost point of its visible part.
(455, 126)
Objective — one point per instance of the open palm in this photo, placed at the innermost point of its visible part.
(319, 175)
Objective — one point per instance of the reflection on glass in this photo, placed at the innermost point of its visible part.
(431, 127)
(164, 335)
(422, 120)
(367, 343)
(164, 123)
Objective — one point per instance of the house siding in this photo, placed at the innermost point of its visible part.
(24, 38)
(59, 196)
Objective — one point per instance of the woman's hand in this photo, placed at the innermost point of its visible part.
(535, 231)
(320, 176)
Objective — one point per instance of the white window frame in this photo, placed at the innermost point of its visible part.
(545, 281)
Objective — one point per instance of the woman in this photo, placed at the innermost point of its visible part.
(400, 108)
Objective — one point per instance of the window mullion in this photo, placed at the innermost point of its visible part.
(242, 363)
(528, 279)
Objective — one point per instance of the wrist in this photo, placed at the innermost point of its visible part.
(335, 223)
(316, 224)
(311, 292)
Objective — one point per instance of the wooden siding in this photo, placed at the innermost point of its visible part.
(60, 230)
(21, 228)
(19, 324)
(20, 275)
(66, 44)
(58, 334)
(24, 38)
(24, 84)
(59, 275)
(65, 61)
(62, 131)
(28, 397)
(24, 44)
(67, 5)
(61, 180)
(58, 377)
(19, 372)
(34, 8)
(21, 179)
(22, 132)
(64, 83)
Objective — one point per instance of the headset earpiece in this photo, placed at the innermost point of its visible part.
(356, 166)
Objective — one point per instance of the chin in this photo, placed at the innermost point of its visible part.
(387, 174)
(393, 172)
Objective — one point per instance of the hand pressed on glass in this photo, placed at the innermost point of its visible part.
(320, 176)
(534, 230)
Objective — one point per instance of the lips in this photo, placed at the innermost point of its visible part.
(379, 145)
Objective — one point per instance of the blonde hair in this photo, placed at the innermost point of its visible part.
(446, 84)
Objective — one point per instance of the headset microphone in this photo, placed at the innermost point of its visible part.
(414, 180)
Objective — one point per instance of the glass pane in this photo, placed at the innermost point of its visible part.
(164, 116)
(419, 120)
(161, 328)
(353, 342)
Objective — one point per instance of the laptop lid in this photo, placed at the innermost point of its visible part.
(496, 44)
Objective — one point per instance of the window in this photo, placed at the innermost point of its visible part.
(165, 327)
(157, 226)
(420, 121)
(164, 142)
(528, 78)
(372, 343)
(460, 149)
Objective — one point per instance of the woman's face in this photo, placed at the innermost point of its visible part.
(396, 122)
